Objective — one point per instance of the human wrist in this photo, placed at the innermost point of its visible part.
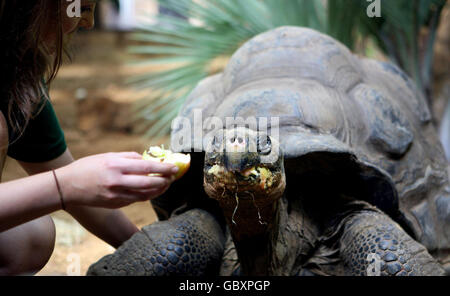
(62, 179)
(60, 194)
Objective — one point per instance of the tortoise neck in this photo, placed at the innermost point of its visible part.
(255, 238)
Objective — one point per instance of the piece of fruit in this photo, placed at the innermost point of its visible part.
(159, 154)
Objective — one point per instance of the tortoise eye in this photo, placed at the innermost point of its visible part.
(264, 145)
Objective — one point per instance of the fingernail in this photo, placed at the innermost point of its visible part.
(175, 170)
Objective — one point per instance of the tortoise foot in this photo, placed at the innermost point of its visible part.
(373, 244)
(189, 244)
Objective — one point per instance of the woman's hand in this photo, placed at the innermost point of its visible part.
(113, 180)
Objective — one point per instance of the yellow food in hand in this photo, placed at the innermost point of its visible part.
(156, 153)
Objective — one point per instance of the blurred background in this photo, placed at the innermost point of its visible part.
(130, 75)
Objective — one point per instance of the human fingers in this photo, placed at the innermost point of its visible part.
(142, 182)
(131, 196)
(128, 154)
(144, 167)
(155, 192)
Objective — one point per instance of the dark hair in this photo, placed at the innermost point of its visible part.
(25, 66)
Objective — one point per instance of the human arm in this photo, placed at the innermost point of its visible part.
(109, 180)
(111, 225)
(18, 197)
(26, 199)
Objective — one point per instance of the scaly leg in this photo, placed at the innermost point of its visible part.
(373, 244)
(188, 244)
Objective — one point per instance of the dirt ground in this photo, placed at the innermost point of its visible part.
(93, 105)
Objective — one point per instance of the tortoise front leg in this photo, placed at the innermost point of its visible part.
(189, 244)
(373, 244)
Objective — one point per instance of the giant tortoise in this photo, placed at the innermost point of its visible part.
(342, 174)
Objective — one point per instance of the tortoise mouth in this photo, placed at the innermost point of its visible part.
(258, 176)
(256, 182)
(248, 198)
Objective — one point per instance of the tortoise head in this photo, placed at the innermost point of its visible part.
(244, 172)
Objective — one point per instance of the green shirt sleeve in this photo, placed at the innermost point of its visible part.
(42, 140)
